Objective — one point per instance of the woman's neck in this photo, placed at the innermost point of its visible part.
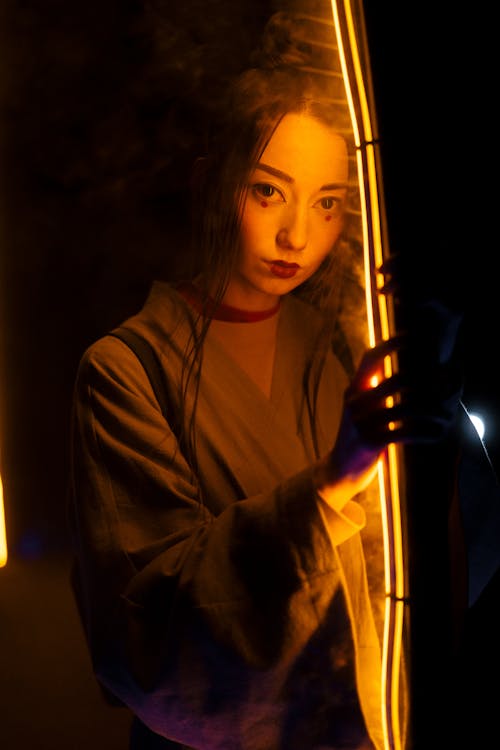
(240, 294)
(226, 310)
(249, 299)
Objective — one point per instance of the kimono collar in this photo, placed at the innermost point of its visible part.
(223, 312)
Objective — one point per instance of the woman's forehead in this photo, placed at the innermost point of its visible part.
(302, 147)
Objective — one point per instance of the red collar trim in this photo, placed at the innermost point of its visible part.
(223, 312)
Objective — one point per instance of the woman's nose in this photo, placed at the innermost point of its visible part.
(293, 232)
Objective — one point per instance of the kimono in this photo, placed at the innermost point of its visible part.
(225, 603)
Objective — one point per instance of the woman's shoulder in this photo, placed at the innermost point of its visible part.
(107, 361)
(163, 322)
(164, 313)
(163, 316)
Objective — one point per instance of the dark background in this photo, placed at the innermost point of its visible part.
(100, 108)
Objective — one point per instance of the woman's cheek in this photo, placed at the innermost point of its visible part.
(258, 223)
(328, 225)
(333, 226)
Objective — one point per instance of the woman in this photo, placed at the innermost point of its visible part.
(220, 563)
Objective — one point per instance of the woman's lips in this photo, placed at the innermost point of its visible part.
(282, 269)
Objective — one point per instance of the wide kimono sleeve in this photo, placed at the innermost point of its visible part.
(198, 620)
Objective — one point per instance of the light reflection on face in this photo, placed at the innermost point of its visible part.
(293, 212)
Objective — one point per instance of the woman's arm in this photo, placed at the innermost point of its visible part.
(182, 607)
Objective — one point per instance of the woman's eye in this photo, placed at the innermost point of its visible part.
(268, 192)
(334, 206)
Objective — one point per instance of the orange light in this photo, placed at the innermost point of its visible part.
(3, 533)
(388, 470)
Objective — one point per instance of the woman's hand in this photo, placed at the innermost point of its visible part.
(414, 400)
(364, 430)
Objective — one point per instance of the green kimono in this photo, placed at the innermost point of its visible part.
(224, 603)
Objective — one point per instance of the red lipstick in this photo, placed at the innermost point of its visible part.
(283, 270)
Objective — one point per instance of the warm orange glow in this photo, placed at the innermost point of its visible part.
(3, 533)
(391, 658)
(388, 472)
(398, 582)
(366, 249)
(388, 372)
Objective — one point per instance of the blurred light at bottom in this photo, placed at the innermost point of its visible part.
(3, 533)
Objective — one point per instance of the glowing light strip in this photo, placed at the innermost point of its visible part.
(358, 74)
(3, 533)
(345, 73)
(394, 609)
(397, 651)
(366, 250)
(396, 521)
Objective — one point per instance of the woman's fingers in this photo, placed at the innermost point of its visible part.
(405, 406)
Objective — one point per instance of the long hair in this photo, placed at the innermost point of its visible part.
(282, 82)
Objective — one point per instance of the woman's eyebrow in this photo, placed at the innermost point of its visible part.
(275, 172)
(334, 186)
(287, 178)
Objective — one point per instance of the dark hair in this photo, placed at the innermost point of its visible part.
(258, 101)
(284, 82)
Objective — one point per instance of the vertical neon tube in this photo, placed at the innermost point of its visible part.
(379, 329)
(3, 532)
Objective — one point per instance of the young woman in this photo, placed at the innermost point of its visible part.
(220, 560)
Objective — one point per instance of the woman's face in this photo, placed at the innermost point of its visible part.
(292, 214)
